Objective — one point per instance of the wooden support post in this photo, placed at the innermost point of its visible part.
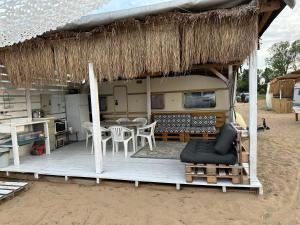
(280, 91)
(224, 189)
(231, 92)
(253, 114)
(177, 187)
(36, 175)
(261, 191)
(28, 104)
(96, 119)
(148, 99)
(15, 145)
(218, 74)
(136, 183)
(234, 94)
(47, 141)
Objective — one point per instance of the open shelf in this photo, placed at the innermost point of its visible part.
(23, 142)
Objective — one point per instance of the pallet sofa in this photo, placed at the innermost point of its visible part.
(184, 126)
(221, 158)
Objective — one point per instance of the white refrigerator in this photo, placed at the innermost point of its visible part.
(77, 109)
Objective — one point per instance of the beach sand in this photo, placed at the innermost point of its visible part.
(117, 203)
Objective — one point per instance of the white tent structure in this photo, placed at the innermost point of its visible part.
(269, 97)
(21, 20)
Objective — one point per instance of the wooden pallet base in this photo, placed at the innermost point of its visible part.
(244, 155)
(204, 136)
(183, 137)
(170, 136)
(9, 189)
(214, 172)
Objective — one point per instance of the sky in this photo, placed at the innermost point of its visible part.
(286, 26)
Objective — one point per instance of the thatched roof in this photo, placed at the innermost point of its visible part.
(171, 42)
(285, 83)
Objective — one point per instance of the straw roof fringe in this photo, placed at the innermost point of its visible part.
(166, 43)
(286, 86)
(286, 83)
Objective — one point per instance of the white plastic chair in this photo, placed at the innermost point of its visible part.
(120, 120)
(147, 132)
(104, 140)
(143, 121)
(88, 128)
(119, 135)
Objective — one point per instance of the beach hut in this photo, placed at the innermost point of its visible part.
(141, 54)
(281, 92)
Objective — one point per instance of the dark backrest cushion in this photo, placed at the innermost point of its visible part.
(225, 139)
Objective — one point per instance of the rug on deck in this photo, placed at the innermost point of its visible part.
(163, 150)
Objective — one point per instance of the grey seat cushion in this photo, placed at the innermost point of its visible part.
(225, 139)
(202, 151)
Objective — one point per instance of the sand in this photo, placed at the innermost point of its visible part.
(116, 203)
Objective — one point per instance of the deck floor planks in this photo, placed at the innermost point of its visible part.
(75, 161)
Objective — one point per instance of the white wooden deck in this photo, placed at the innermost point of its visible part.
(75, 161)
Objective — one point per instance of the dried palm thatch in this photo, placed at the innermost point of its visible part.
(166, 43)
(286, 87)
(218, 36)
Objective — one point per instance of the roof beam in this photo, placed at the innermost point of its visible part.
(264, 20)
(218, 74)
(269, 5)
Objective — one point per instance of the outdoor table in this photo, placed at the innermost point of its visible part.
(128, 124)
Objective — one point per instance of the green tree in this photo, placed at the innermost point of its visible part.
(284, 56)
(264, 76)
(243, 81)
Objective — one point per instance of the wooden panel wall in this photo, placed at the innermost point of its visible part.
(283, 105)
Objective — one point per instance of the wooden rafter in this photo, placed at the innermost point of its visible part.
(220, 75)
(269, 5)
(264, 20)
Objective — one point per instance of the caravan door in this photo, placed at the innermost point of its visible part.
(120, 99)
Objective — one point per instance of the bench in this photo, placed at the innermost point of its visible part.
(184, 126)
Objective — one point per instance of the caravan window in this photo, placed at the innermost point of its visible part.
(203, 99)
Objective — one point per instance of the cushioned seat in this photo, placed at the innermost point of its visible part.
(202, 151)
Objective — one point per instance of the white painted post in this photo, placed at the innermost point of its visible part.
(28, 104)
(47, 140)
(15, 145)
(96, 119)
(253, 114)
(280, 91)
(231, 92)
(234, 92)
(149, 98)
